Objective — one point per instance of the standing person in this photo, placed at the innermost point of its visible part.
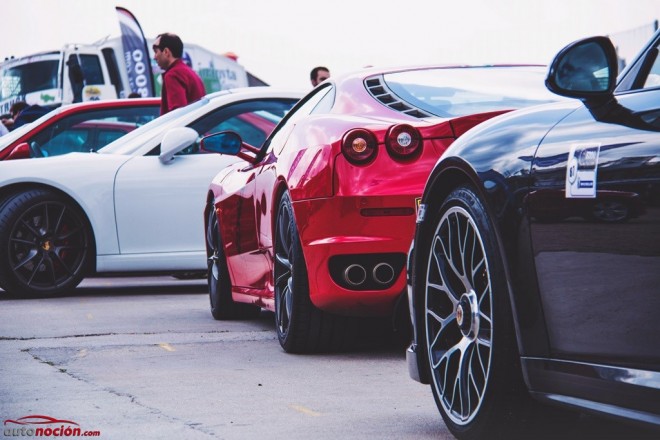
(76, 77)
(181, 85)
(318, 75)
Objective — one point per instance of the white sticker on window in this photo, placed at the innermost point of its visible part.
(581, 171)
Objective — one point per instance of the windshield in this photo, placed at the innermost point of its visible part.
(454, 92)
(27, 78)
(135, 139)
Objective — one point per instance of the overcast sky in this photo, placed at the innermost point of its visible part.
(280, 41)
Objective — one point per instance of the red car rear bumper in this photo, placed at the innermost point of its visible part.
(343, 233)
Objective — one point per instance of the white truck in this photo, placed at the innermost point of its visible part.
(47, 78)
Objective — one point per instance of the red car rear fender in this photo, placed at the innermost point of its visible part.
(386, 176)
(309, 173)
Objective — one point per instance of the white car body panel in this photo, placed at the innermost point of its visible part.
(151, 262)
(147, 220)
(146, 216)
(86, 177)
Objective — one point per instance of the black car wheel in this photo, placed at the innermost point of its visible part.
(223, 306)
(610, 211)
(46, 244)
(468, 333)
(301, 327)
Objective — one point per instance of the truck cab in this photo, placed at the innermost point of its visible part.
(76, 73)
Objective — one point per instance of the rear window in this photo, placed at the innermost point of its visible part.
(451, 92)
(91, 130)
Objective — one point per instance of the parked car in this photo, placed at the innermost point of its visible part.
(315, 224)
(80, 127)
(133, 207)
(507, 308)
(551, 205)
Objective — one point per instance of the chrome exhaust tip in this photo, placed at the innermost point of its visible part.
(383, 273)
(355, 275)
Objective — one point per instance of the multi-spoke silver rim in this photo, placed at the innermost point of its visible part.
(47, 246)
(283, 273)
(459, 325)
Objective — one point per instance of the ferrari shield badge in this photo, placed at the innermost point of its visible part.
(420, 208)
(581, 171)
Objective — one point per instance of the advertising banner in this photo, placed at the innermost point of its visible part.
(136, 54)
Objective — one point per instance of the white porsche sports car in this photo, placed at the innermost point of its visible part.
(135, 206)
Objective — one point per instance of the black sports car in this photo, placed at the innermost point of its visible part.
(534, 274)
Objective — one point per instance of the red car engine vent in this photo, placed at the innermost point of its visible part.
(359, 146)
(403, 141)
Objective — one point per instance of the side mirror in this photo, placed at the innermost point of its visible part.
(20, 151)
(176, 140)
(224, 142)
(586, 69)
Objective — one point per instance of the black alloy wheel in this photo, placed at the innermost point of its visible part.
(301, 327)
(223, 306)
(468, 328)
(610, 211)
(46, 244)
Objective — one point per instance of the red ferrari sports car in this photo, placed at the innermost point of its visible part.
(82, 127)
(316, 223)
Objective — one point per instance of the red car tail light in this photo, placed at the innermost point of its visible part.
(403, 141)
(359, 146)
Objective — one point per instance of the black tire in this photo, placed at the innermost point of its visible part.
(609, 211)
(46, 244)
(468, 327)
(301, 327)
(223, 306)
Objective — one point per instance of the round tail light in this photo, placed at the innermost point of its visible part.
(403, 141)
(359, 146)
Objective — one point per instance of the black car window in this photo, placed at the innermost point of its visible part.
(67, 141)
(107, 135)
(91, 67)
(252, 120)
(66, 136)
(653, 77)
(644, 71)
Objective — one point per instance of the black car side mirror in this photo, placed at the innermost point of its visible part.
(586, 69)
(231, 143)
(224, 142)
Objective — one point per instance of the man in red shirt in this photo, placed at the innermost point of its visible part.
(181, 85)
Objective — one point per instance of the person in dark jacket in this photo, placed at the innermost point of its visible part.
(76, 77)
(22, 113)
(181, 85)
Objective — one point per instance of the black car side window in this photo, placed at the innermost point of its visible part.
(252, 120)
(653, 76)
